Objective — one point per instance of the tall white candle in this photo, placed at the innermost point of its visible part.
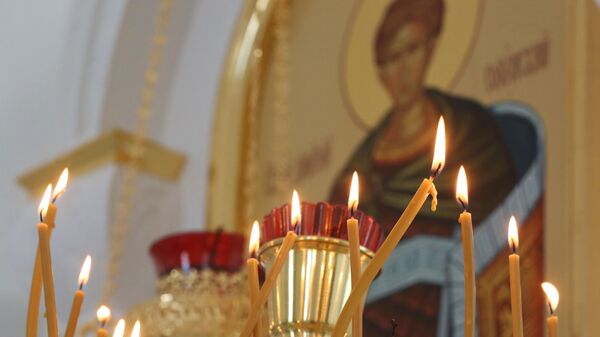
(103, 316)
(253, 281)
(78, 298)
(466, 225)
(515, 279)
(354, 247)
(552, 320)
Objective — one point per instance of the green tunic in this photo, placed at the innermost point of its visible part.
(473, 140)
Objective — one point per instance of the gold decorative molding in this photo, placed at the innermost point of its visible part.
(576, 251)
(230, 128)
(110, 147)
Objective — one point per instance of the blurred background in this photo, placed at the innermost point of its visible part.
(89, 83)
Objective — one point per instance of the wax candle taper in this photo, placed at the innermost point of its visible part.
(252, 263)
(103, 316)
(78, 297)
(426, 189)
(46, 266)
(552, 320)
(35, 291)
(119, 329)
(515, 279)
(271, 277)
(354, 247)
(466, 225)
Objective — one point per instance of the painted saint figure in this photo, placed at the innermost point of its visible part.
(396, 155)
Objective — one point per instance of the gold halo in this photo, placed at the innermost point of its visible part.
(364, 93)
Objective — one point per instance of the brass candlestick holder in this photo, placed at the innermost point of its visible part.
(315, 282)
(312, 287)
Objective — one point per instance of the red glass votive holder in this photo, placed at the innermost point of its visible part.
(220, 251)
(322, 219)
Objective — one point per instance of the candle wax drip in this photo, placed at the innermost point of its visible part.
(434, 201)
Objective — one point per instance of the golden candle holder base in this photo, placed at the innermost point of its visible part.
(199, 303)
(312, 287)
(202, 290)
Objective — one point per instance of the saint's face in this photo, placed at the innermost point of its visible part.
(406, 59)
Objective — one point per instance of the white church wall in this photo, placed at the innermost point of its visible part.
(58, 68)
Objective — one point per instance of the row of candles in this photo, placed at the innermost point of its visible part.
(352, 310)
(42, 276)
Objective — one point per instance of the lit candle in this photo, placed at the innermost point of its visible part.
(552, 320)
(354, 247)
(466, 225)
(78, 297)
(103, 315)
(59, 190)
(515, 279)
(252, 263)
(119, 329)
(389, 244)
(35, 291)
(136, 329)
(271, 277)
(46, 266)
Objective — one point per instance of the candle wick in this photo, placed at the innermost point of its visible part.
(435, 172)
(462, 203)
(394, 326)
(254, 253)
(514, 247)
(551, 310)
(213, 251)
(80, 285)
(41, 216)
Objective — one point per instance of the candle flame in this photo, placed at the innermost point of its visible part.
(513, 234)
(85, 271)
(136, 329)
(103, 314)
(296, 217)
(43, 207)
(353, 196)
(551, 295)
(254, 239)
(439, 153)
(462, 189)
(61, 184)
(120, 329)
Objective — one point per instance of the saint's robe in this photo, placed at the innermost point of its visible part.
(473, 140)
